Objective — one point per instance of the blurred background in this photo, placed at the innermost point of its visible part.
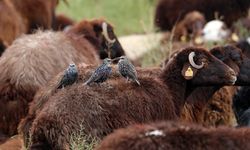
(134, 24)
(128, 17)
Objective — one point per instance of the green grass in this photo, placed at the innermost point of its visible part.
(128, 16)
(80, 141)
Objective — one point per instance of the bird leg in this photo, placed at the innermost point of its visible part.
(127, 80)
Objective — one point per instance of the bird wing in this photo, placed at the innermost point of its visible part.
(131, 71)
(63, 80)
(97, 74)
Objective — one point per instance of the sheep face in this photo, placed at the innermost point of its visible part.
(244, 75)
(93, 31)
(195, 23)
(108, 40)
(244, 45)
(233, 57)
(212, 70)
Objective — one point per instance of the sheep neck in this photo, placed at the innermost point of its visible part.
(176, 83)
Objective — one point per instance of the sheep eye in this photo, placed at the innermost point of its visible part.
(203, 60)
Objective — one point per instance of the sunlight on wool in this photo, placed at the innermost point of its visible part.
(155, 133)
(248, 40)
(32, 43)
(215, 30)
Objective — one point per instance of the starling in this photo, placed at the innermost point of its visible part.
(101, 73)
(127, 70)
(69, 77)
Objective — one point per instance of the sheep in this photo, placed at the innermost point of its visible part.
(212, 105)
(43, 94)
(244, 45)
(11, 25)
(241, 98)
(190, 27)
(37, 14)
(176, 136)
(20, 17)
(32, 60)
(168, 12)
(215, 31)
(241, 103)
(114, 104)
(217, 112)
(220, 112)
(192, 112)
(219, 108)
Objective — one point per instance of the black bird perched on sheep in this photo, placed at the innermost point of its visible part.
(69, 77)
(101, 73)
(127, 69)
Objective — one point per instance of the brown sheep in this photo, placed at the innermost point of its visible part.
(168, 12)
(190, 27)
(244, 45)
(219, 110)
(50, 89)
(114, 104)
(11, 25)
(62, 22)
(192, 112)
(212, 105)
(37, 14)
(176, 136)
(31, 61)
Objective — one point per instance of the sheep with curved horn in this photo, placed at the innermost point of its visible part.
(116, 104)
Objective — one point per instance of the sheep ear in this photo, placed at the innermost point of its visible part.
(188, 72)
(97, 26)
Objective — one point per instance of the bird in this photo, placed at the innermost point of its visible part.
(69, 77)
(127, 69)
(102, 73)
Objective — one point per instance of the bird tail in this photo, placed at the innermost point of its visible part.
(86, 83)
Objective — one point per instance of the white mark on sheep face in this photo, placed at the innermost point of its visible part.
(215, 30)
(155, 133)
(248, 40)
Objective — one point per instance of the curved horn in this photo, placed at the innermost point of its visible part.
(105, 32)
(192, 63)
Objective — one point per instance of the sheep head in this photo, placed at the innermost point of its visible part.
(101, 35)
(202, 68)
(234, 58)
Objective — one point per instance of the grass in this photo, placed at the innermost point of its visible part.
(80, 141)
(158, 54)
(128, 16)
(243, 32)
